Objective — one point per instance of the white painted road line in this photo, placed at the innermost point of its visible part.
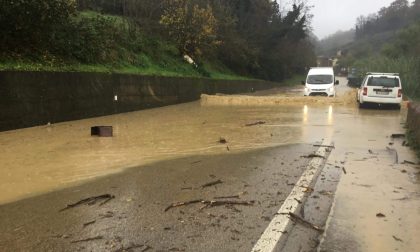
(281, 223)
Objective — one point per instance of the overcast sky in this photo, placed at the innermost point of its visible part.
(333, 15)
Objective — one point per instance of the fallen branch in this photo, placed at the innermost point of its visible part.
(183, 204)
(305, 222)
(90, 201)
(255, 123)
(313, 156)
(89, 223)
(228, 197)
(213, 203)
(210, 203)
(325, 146)
(134, 246)
(99, 237)
(397, 239)
(211, 183)
(344, 170)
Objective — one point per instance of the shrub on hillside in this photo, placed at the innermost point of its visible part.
(26, 25)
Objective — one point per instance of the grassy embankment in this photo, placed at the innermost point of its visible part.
(151, 57)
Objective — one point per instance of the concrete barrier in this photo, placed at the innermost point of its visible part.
(36, 98)
(413, 121)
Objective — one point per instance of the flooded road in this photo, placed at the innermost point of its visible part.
(165, 155)
(45, 158)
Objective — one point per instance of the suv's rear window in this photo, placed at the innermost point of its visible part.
(383, 81)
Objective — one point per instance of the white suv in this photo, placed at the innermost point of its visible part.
(380, 88)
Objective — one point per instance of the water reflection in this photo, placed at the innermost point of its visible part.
(330, 115)
(305, 114)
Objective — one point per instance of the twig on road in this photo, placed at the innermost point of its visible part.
(210, 203)
(255, 123)
(183, 204)
(213, 203)
(325, 146)
(305, 222)
(89, 223)
(211, 183)
(99, 237)
(228, 197)
(90, 201)
(313, 156)
(397, 239)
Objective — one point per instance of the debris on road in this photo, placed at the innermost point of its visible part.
(344, 170)
(313, 156)
(380, 215)
(90, 201)
(134, 246)
(325, 146)
(183, 204)
(222, 140)
(101, 131)
(89, 223)
(213, 203)
(212, 183)
(255, 123)
(397, 239)
(326, 193)
(99, 237)
(228, 197)
(210, 203)
(300, 220)
(307, 189)
(408, 162)
(398, 136)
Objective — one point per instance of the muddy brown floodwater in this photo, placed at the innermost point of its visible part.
(41, 159)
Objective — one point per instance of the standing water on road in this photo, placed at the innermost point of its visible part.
(40, 159)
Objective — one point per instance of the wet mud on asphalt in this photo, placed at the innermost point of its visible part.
(136, 215)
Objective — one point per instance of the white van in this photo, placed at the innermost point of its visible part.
(320, 81)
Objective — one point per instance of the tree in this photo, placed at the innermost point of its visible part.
(26, 25)
(191, 26)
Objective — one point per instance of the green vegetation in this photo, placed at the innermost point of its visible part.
(412, 142)
(226, 39)
(407, 67)
(387, 41)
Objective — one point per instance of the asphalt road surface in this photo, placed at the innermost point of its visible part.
(224, 194)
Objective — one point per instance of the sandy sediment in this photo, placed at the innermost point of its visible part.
(347, 98)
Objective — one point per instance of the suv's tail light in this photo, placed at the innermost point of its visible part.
(365, 91)
(400, 92)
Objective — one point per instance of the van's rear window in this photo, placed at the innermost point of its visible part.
(383, 82)
(320, 79)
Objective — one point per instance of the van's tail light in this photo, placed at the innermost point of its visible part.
(365, 91)
(400, 92)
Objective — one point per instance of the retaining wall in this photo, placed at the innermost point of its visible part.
(413, 120)
(36, 98)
